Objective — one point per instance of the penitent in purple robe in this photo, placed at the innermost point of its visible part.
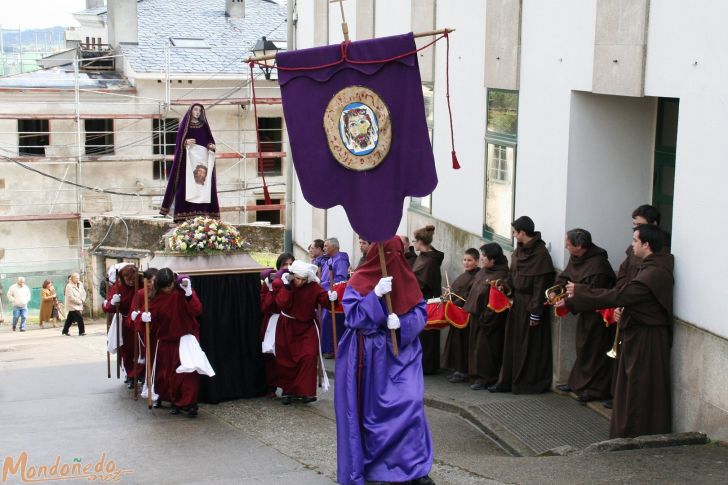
(381, 429)
(339, 263)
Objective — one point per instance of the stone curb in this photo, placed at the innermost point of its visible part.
(649, 441)
(503, 438)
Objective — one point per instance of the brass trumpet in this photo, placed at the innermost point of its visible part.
(613, 352)
(555, 294)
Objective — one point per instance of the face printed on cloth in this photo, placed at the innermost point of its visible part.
(200, 174)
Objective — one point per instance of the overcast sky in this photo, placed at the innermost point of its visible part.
(28, 14)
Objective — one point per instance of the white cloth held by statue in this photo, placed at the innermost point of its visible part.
(192, 358)
(198, 178)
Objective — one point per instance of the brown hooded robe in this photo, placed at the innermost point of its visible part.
(455, 355)
(592, 370)
(485, 352)
(527, 365)
(642, 404)
(427, 270)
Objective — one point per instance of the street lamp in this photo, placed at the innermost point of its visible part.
(262, 48)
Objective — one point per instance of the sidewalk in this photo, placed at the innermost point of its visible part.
(522, 425)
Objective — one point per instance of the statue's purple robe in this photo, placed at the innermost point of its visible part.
(340, 264)
(381, 429)
(174, 197)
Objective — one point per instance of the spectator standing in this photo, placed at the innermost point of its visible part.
(48, 299)
(74, 296)
(19, 296)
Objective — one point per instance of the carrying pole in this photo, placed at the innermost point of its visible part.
(333, 309)
(148, 365)
(387, 297)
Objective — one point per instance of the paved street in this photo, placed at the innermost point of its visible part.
(55, 400)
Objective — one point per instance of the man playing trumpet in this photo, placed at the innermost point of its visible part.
(591, 375)
(642, 403)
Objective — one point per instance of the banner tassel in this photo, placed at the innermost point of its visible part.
(455, 163)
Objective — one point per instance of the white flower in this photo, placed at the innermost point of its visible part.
(182, 246)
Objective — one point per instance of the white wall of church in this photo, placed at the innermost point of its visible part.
(693, 67)
(611, 150)
(458, 198)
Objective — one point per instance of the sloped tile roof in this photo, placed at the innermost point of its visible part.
(230, 40)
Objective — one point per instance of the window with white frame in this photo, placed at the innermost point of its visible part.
(425, 203)
(501, 142)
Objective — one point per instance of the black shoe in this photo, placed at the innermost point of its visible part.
(191, 410)
(308, 399)
(584, 397)
(457, 377)
(130, 385)
(328, 355)
(477, 385)
(22, 330)
(13, 329)
(607, 404)
(175, 410)
(157, 404)
(426, 480)
(496, 388)
(62, 333)
(564, 388)
(286, 400)
(82, 334)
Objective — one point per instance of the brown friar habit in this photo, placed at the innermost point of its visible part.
(427, 270)
(592, 370)
(527, 366)
(455, 356)
(626, 273)
(486, 326)
(642, 390)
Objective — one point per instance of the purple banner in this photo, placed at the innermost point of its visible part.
(357, 129)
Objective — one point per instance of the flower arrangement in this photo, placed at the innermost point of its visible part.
(203, 234)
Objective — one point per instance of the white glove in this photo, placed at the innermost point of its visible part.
(135, 314)
(147, 317)
(187, 286)
(333, 296)
(393, 321)
(116, 299)
(286, 278)
(268, 284)
(383, 287)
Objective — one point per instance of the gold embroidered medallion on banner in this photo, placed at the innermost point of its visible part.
(358, 128)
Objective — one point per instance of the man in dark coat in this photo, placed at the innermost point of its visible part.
(642, 404)
(527, 365)
(591, 375)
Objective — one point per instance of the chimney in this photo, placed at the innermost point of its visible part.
(94, 3)
(235, 9)
(122, 22)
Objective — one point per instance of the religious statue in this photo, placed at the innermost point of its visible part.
(191, 185)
